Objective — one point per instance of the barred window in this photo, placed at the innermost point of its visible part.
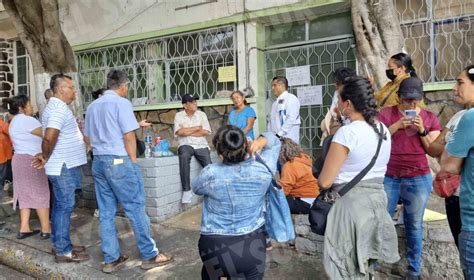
(22, 76)
(163, 69)
(439, 35)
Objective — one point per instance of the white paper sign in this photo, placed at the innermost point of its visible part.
(139, 101)
(312, 95)
(298, 76)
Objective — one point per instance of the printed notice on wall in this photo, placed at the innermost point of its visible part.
(311, 95)
(226, 74)
(298, 76)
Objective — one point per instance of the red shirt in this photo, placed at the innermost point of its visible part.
(6, 148)
(407, 156)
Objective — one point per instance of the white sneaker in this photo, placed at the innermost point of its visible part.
(187, 196)
(96, 213)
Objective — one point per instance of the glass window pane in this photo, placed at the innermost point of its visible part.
(330, 26)
(22, 70)
(448, 9)
(285, 33)
(417, 44)
(23, 90)
(20, 49)
(454, 49)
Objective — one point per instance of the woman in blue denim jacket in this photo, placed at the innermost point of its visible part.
(232, 242)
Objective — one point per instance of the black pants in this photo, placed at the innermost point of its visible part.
(185, 153)
(6, 172)
(453, 212)
(298, 206)
(234, 257)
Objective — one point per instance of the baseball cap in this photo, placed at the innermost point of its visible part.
(411, 88)
(188, 98)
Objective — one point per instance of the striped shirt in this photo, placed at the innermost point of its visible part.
(70, 148)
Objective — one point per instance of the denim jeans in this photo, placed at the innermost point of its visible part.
(414, 193)
(64, 187)
(119, 180)
(466, 253)
(185, 153)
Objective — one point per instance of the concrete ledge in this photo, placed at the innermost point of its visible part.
(162, 184)
(440, 258)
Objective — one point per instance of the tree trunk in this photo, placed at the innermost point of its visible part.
(378, 35)
(38, 27)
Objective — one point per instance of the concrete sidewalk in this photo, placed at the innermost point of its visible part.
(177, 236)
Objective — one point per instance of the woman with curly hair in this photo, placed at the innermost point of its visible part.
(296, 178)
(358, 220)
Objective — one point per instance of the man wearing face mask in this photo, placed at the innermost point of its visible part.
(399, 68)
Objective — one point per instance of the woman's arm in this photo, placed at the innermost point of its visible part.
(436, 147)
(332, 165)
(200, 184)
(428, 139)
(271, 149)
(288, 178)
(250, 122)
(38, 132)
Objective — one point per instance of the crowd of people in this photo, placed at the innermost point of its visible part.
(377, 142)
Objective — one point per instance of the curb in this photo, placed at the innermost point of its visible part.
(41, 265)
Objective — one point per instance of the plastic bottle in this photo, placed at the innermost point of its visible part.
(148, 144)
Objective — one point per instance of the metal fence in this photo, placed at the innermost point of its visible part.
(163, 69)
(439, 36)
(323, 58)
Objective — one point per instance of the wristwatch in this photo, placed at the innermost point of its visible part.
(424, 133)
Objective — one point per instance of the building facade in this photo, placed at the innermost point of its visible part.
(211, 47)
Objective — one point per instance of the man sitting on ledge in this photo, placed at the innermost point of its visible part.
(191, 128)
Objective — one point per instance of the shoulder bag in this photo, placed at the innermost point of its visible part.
(319, 211)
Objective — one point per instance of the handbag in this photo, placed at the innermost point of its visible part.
(278, 223)
(445, 184)
(319, 211)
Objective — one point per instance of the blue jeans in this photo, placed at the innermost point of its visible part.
(119, 180)
(64, 187)
(414, 193)
(466, 253)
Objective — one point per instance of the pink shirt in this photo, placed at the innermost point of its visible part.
(408, 157)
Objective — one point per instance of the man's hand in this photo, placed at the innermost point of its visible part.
(38, 161)
(144, 123)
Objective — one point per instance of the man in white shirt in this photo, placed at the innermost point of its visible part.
(285, 118)
(63, 154)
(191, 128)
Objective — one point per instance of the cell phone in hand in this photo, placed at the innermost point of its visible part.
(410, 114)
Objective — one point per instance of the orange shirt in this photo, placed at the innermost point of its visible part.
(297, 178)
(6, 148)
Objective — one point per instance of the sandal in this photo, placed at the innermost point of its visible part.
(155, 262)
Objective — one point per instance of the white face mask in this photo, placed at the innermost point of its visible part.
(345, 120)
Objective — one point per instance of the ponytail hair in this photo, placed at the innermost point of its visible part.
(361, 94)
(14, 103)
(403, 59)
